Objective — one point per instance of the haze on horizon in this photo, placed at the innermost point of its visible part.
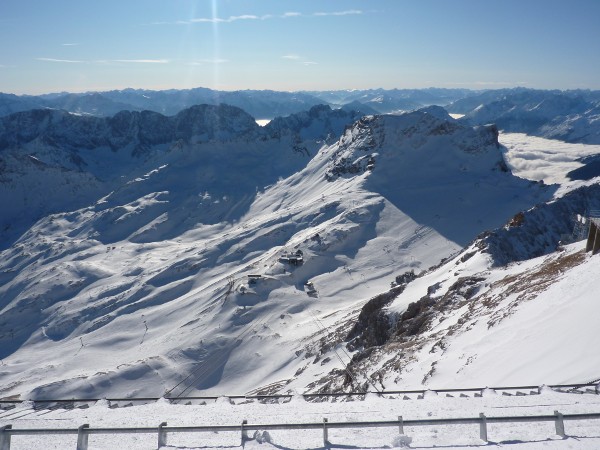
(69, 45)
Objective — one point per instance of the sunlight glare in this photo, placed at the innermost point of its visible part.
(216, 53)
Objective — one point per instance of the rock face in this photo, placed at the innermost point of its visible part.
(320, 122)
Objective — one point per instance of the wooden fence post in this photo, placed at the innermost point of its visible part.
(400, 425)
(325, 434)
(82, 437)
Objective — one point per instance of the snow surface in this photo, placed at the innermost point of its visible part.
(521, 436)
(528, 322)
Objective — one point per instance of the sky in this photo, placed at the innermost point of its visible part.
(95, 45)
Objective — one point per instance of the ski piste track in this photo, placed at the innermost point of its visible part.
(15, 409)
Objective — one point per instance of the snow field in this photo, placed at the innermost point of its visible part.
(541, 435)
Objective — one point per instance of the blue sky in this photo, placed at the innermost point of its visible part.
(84, 45)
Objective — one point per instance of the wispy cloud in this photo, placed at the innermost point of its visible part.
(69, 61)
(299, 59)
(106, 61)
(350, 12)
(250, 17)
(70, 44)
(142, 61)
(228, 20)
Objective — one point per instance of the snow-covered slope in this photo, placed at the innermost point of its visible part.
(468, 323)
(187, 269)
(514, 307)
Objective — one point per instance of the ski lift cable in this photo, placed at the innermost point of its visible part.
(345, 366)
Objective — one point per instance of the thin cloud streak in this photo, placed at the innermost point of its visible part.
(106, 61)
(350, 12)
(70, 44)
(69, 61)
(244, 17)
(228, 20)
(294, 57)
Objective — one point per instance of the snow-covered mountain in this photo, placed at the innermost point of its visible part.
(53, 160)
(495, 314)
(260, 104)
(515, 306)
(393, 100)
(571, 116)
(207, 253)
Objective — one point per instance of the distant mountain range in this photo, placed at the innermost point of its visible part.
(260, 104)
(571, 116)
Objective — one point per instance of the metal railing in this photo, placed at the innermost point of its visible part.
(84, 431)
